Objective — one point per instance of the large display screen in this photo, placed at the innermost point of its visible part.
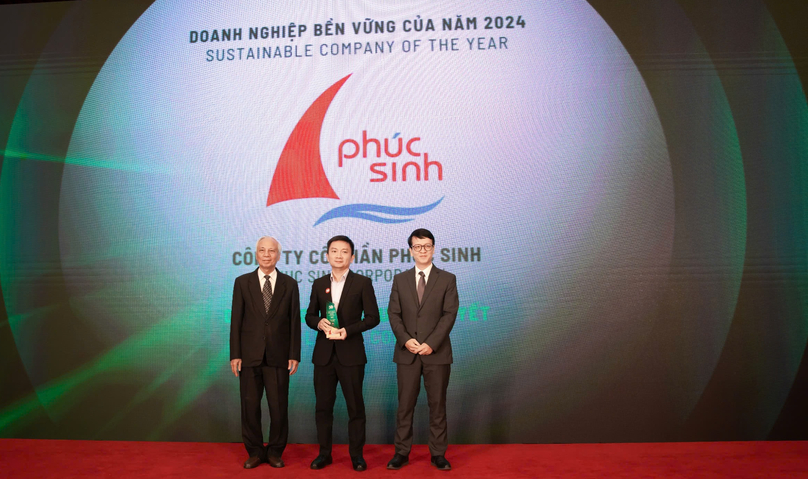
(621, 196)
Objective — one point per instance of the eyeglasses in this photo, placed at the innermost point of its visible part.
(422, 247)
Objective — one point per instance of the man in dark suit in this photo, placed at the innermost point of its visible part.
(265, 349)
(422, 310)
(339, 354)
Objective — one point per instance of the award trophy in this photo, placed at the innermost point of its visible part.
(331, 316)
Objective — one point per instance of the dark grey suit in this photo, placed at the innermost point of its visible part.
(429, 322)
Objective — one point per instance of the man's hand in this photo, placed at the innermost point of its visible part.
(424, 350)
(324, 325)
(293, 366)
(235, 366)
(340, 334)
(412, 345)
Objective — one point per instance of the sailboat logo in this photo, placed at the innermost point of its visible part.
(300, 174)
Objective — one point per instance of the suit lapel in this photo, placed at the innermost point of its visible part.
(409, 286)
(345, 292)
(256, 295)
(348, 282)
(430, 284)
(277, 294)
(327, 292)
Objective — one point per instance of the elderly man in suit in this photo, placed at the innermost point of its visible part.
(339, 354)
(423, 308)
(265, 350)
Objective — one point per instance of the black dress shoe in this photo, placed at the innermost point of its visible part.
(441, 463)
(359, 463)
(320, 462)
(252, 462)
(275, 461)
(398, 461)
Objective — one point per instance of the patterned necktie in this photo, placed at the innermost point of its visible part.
(267, 293)
(421, 286)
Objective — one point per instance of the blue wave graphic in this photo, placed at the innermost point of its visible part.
(365, 211)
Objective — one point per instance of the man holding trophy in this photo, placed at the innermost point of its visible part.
(338, 301)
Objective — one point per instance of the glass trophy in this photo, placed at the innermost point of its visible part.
(331, 316)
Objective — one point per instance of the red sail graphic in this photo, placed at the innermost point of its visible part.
(300, 173)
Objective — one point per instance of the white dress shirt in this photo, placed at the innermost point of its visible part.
(336, 289)
(426, 275)
(273, 276)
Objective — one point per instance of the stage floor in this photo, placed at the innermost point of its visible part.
(124, 459)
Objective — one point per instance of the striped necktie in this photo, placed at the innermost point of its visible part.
(267, 293)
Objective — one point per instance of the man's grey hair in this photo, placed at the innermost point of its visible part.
(267, 237)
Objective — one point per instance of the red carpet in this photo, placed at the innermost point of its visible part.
(64, 459)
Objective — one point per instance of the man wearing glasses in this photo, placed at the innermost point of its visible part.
(422, 311)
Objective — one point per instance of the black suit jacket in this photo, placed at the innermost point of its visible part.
(254, 333)
(357, 297)
(429, 323)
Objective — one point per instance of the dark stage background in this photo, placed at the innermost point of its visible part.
(620, 187)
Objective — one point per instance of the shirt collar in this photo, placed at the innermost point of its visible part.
(344, 277)
(426, 270)
(272, 276)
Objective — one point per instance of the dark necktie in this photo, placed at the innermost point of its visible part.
(421, 286)
(267, 293)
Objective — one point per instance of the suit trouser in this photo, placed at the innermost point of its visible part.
(436, 381)
(253, 382)
(350, 379)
